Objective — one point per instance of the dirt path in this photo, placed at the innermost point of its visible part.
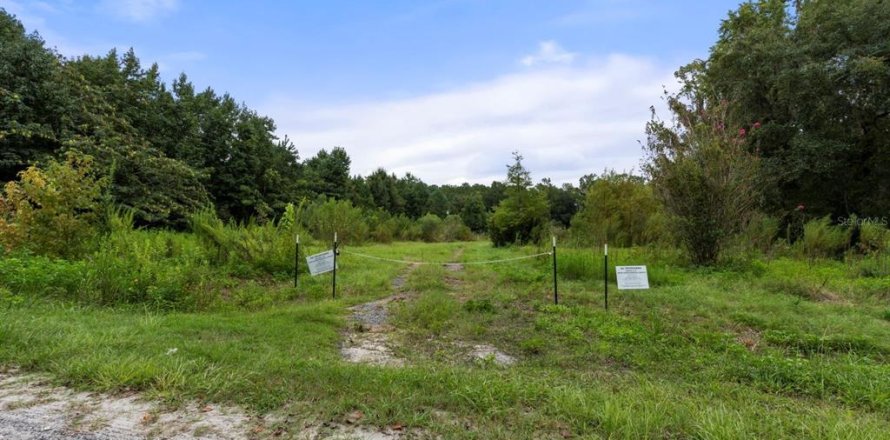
(475, 352)
(367, 340)
(31, 409)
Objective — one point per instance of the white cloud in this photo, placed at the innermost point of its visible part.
(566, 121)
(139, 10)
(549, 52)
(32, 17)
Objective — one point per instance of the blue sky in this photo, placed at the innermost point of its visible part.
(445, 89)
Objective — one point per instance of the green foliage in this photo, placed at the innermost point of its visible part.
(433, 312)
(480, 306)
(34, 101)
(619, 209)
(327, 174)
(160, 191)
(327, 216)
(384, 191)
(474, 215)
(248, 248)
(430, 227)
(438, 203)
(874, 237)
(53, 210)
(454, 229)
(523, 217)
(563, 201)
(822, 239)
(809, 82)
(131, 267)
(760, 233)
(702, 172)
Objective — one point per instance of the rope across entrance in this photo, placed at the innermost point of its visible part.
(442, 263)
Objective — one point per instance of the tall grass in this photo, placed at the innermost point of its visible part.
(821, 239)
(249, 249)
(589, 264)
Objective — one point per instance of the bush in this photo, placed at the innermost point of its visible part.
(760, 233)
(821, 239)
(873, 237)
(266, 248)
(159, 269)
(430, 227)
(619, 209)
(454, 229)
(53, 210)
(327, 216)
(704, 174)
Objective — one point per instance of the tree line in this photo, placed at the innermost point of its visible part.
(787, 121)
(172, 150)
(788, 116)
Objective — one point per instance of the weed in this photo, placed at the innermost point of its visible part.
(479, 306)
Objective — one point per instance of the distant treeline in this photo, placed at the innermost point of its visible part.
(171, 151)
(785, 123)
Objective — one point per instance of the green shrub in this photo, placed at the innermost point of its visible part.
(821, 239)
(760, 233)
(620, 209)
(873, 238)
(327, 216)
(161, 269)
(430, 228)
(704, 174)
(874, 266)
(246, 248)
(454, 229)
(53, 210)
(384, 232)
(40, 276)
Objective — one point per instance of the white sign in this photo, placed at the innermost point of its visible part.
(632, 277)
(320, 263)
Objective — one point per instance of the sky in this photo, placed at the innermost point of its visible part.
(443, 89)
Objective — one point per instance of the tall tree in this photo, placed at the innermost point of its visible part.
(473, 213)
(34, 99)
(522, 217)
(385, 192)
(327, 174)
(811, 87)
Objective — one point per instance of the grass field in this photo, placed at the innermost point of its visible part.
(769, 349)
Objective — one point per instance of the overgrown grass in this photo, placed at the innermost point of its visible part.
(790, 350)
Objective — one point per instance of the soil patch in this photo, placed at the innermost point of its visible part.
(367, 341)
(30, 408)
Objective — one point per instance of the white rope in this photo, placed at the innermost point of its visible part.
(524, 257)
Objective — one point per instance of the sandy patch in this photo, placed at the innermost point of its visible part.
(30, 408)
